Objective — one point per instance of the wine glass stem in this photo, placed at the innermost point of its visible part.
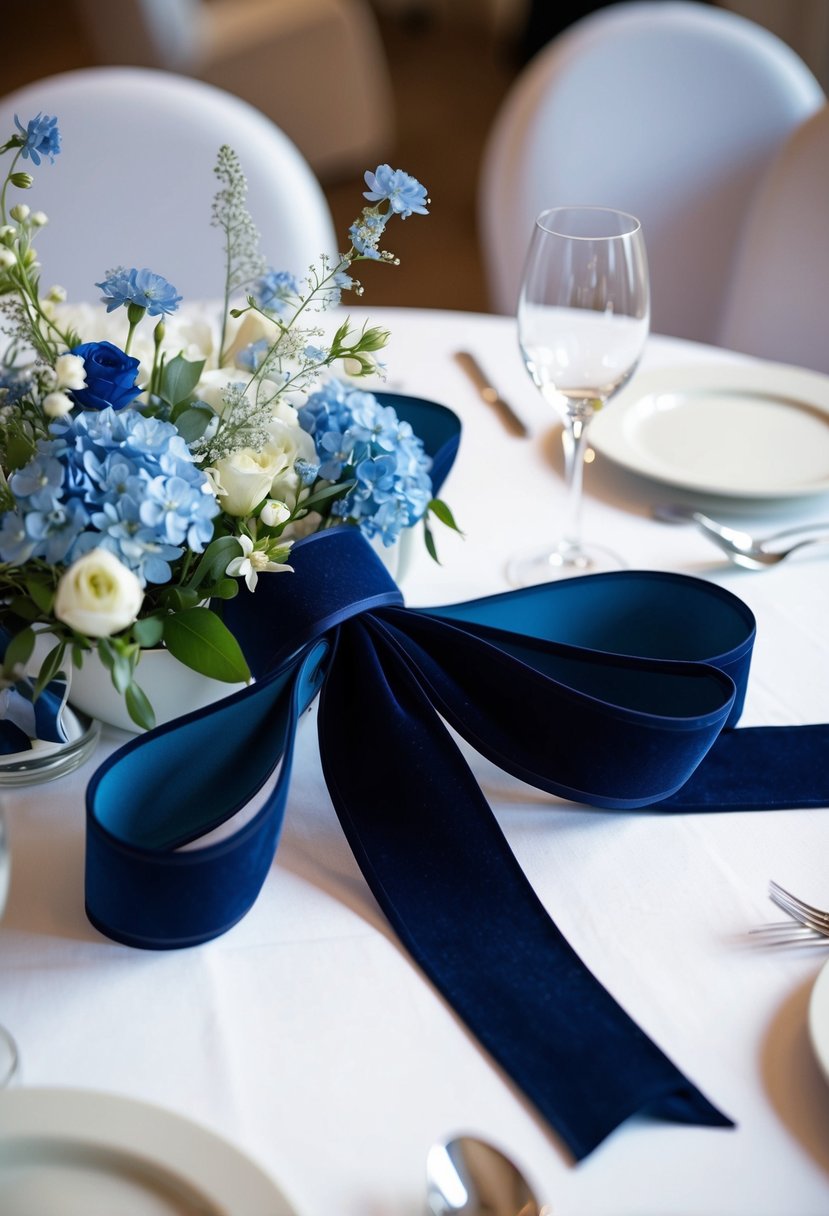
(574, 442)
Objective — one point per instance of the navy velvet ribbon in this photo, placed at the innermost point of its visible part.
(616, 690)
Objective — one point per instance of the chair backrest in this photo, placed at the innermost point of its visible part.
(670, 111)
(134, 183)
(776, 307)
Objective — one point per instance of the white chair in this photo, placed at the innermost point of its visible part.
(670, 111)
(777, 304)
(317, 68)
(134, 183)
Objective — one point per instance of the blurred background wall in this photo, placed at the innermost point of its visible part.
(356, 82)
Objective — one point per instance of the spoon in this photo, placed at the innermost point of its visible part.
(468, 1177)
(741, 547)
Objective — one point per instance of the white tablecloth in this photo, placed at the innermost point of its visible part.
(307, 1037)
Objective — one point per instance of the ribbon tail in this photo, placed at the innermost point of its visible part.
(439, 866)
(759, 768)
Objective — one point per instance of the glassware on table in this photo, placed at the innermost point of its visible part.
(583, 319)
(8, 1047)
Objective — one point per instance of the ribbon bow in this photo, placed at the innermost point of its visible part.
(615, 690)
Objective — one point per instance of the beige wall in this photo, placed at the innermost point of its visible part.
(803, 24)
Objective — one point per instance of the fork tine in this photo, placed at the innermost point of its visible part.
(798, 908)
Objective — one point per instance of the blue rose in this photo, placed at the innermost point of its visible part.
(110, 376)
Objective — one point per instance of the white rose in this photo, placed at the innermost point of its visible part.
(254, 328)
(98, 595)
(245, 477)
(293, 444)
(55, 405)
(70, 371)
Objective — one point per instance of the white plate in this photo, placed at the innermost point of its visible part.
(67, 1152)
(758, 430)
(819, 1019)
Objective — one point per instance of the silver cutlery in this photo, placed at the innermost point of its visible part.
(808, 925)
(468, 1177)
(750, 552)
(489, 393)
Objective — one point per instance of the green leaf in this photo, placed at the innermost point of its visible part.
(148, 631)
(320, 496)
(430, 542)
(179, 378)
(24, 607)
(177, 599)
(19, 451)
(439, 508)
(197, 638)
(122, 670)
(225, 589)
(193, 422)
(19, 649)
(138, 707)
(49, 668)
(41, 593)
(215, 560)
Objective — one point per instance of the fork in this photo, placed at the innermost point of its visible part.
(809, 924)
(741, 547)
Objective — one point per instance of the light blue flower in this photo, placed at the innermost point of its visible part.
(41, 137)
(405, 194)
(276, 291)
(114, 479)
(360, 440)
(365, 234)
(142, 287)
(250, 358)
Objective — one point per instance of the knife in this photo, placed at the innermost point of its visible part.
(489, 394)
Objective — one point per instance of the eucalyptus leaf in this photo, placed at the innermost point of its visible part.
(179, 378)
(430, 542)
(49, 668)
(439, 508)
(148, 631)
(194, 421)
(139, 707)
(19, 649)
(197, 638)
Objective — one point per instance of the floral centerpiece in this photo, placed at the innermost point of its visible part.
(150, 462)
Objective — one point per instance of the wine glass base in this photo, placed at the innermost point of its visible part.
(563, 560)
(8, 1057)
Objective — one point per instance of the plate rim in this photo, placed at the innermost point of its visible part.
(144, 1131)
(811, 387)
(819, 1004)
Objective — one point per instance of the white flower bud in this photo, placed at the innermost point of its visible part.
(70, 371)
(56, 295)
(39, 219)
(7, 259)
(274, 513)
(55, 405)
(7, 233)
(98, 595)
(20, 212)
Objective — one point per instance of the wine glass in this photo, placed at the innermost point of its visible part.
(8, 1048)
(583, 318)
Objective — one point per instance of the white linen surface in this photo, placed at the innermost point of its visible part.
(307, 1037)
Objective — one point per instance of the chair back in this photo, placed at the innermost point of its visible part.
(134, 183)
(670, 111)
(776, 307)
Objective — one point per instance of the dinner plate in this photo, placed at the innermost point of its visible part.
(819, 1019)
(68, 1152)
(757, 430)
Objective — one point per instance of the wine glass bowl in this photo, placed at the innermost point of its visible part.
(583, 319)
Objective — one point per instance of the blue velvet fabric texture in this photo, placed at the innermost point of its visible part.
(617, 690)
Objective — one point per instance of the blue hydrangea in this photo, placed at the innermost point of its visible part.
(41, 137)
(114, 480)
(276, 291)
(357, 438)
(142, 287)
(404, 193)
(249, 358)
